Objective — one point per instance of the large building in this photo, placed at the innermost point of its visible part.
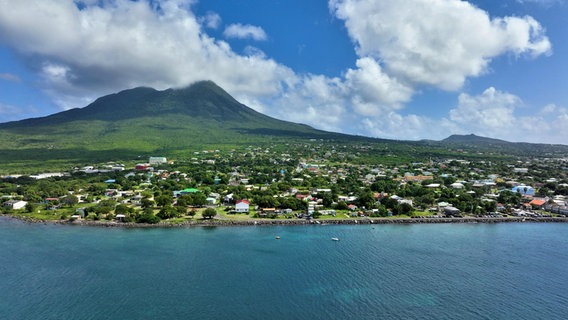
(157, 160)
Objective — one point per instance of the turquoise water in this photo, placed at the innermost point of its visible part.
(442, 271)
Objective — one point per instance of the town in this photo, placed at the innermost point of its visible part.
(311, 181)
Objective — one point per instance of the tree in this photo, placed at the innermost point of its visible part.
(365, 199)
(163, 200)
(123, 209)
(341, 205)
(147, 203)
(405, 208)
(30, 207)
(199, 199)
(147, 217)
(180, 211)
(209, 213)
(184, 200)
(167, 212)
(69, 200)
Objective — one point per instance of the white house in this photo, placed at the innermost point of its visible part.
(242, 206)
(457, 185)
(157, 160)
(15, 204)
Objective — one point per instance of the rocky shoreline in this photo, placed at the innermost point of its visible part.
(261, 222)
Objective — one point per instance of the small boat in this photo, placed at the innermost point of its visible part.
(335, 239)
(277, 237)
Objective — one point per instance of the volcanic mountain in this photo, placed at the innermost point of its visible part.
(143, 120)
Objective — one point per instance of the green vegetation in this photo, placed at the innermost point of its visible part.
(135, 124)
(309, 180)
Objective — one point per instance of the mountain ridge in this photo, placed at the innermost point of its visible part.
(144, 120)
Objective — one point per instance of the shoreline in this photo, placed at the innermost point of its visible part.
(296, 222)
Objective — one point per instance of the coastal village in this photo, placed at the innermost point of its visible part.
(308, 182)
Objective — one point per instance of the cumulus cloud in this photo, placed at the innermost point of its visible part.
(211, 20)
(494, 113)
(246, 31)
(437, 43)
(373, 91)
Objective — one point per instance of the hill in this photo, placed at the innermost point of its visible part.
(140, 122)
(484, 144)
(144, 121)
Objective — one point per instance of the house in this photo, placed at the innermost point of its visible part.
(142, 166)
(451, 211)
(267, 212)
(457, 185)
(228, 198)
(418, 178)
(242, 206)
(537, 203)
(185, 191)
(15, 204)
(157, 160)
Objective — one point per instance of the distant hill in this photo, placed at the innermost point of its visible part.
(484, 144)
(139, 122)
(472, 138)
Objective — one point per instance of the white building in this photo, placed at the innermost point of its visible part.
(15, 204)
(242, 206)
(157, 160)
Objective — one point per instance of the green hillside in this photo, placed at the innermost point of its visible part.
(143, 121)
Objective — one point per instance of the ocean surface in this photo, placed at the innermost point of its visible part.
(435, 271)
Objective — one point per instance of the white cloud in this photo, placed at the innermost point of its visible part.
(439, 43)
(211, 20)
(549, 108)
(494, 114)
(492, 111)
(373, 91)
(247, 31)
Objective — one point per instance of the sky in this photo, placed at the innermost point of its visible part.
(405, 70)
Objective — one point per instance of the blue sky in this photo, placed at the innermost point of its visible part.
(414, 69)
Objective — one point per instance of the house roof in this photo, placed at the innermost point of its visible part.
(243, 201)
(537, 202)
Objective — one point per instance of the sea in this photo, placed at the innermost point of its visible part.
(410, 271)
